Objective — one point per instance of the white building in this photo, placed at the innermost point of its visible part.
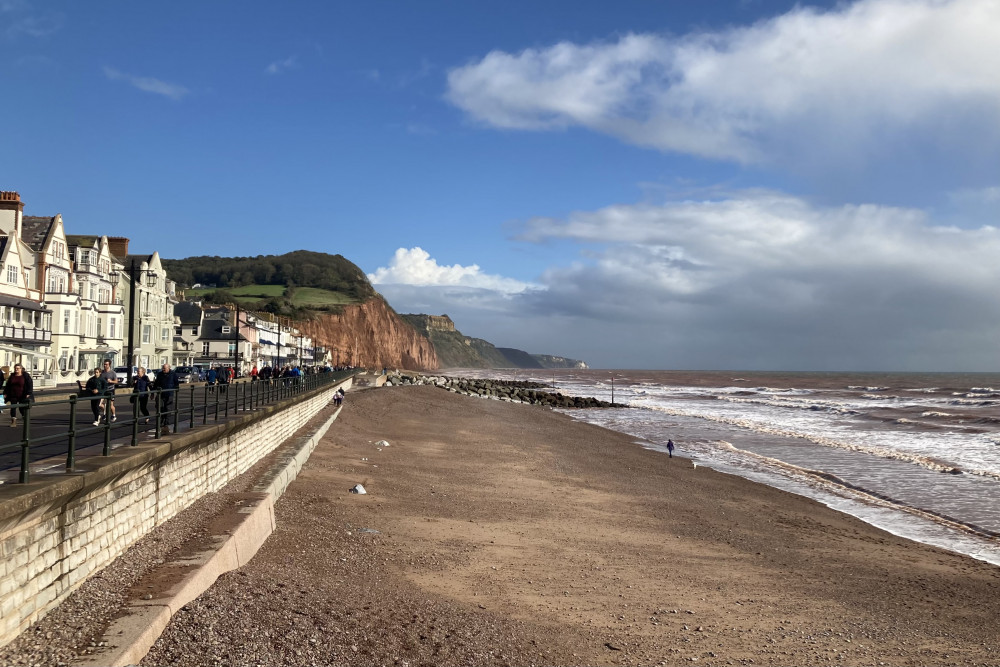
(25, 322)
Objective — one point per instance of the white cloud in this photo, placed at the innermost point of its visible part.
(849, 81)
(148, 84)
(416, 267)
(279, 66)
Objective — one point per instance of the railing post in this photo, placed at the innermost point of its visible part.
(177, 406)
(192, 406)
(25, 474)
(71, 439)
(107, 429)
(204, 407)
(134, 400)
(159, 407)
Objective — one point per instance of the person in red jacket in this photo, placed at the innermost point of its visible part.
(19, 389)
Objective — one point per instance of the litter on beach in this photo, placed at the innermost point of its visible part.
(357, 488)
(382, 443)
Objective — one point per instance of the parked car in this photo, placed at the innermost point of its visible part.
(122, 372)
(188, 374)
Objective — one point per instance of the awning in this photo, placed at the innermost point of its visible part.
(25, 303)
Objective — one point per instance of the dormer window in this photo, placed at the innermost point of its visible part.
(225, 329)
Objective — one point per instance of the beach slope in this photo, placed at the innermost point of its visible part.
(495, 533)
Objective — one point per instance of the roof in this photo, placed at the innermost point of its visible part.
(82, 240)
(213, 331)
(189, 312)
(35, 229)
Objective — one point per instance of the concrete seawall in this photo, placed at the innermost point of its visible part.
(57, 531)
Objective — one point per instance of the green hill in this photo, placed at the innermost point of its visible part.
(288, 284)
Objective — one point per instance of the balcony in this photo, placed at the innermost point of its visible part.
(26, 334)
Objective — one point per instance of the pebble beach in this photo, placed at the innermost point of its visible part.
(503, 534)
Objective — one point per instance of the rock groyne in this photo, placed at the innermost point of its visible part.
(511, 391)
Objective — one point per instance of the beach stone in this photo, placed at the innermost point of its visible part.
(357, 488)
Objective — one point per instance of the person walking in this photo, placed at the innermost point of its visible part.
(166, 382)
(95, 389)
(141, 385)
(111, 381)
(253, 373)
(211, 377)
(670, 448)
(19, 389)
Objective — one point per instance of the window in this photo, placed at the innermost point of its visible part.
(63, 360)
(147, 333)
(66, 320)
(225, 329)
(12, 274)
(93, 292)
(112, 326)
(164, 334)
(232, 348)
(194, 331)
(204, 348)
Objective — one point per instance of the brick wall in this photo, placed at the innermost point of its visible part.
(54, 533)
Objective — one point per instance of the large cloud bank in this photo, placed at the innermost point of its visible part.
(843, 82)
(755, 279)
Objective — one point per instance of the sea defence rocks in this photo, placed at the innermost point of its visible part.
(511, 391)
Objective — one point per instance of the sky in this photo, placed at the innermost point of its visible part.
(722, 184)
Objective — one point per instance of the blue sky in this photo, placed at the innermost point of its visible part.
(638, 184)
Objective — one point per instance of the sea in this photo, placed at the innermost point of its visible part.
(915, 454)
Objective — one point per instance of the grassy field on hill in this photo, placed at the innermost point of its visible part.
(312, 298)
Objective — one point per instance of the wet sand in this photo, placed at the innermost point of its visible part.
(496, 533)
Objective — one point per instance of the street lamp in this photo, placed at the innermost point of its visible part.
(612, 389)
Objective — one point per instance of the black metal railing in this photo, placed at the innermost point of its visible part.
(169, 410)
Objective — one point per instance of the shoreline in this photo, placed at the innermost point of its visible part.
(495, 533)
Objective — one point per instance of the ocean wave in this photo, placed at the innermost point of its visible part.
(928, 462)
(973, 403)
(983, 390)
(790, 390)
(880, 397)
(977, 394)
(858, 387)
(932, 413)
(813, 405)
(924, 390)
(839, 484)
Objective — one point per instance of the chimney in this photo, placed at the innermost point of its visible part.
(118, 245)
(11, 211)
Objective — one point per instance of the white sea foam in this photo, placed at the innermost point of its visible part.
(932, 413)
(929, 462)
(864, 388)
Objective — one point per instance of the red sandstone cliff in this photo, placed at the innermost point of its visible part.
(371, 334)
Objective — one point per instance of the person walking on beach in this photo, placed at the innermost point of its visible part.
(95, 388)
(166, 382)
(141, 384)
(670, 448)
(19, 389)
(110, 380)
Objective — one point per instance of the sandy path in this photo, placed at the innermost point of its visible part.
(508, 534)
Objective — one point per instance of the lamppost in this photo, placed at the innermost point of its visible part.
(612, 389)
(133, 273)
(236, 344)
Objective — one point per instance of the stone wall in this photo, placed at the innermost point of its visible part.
(56, 532)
